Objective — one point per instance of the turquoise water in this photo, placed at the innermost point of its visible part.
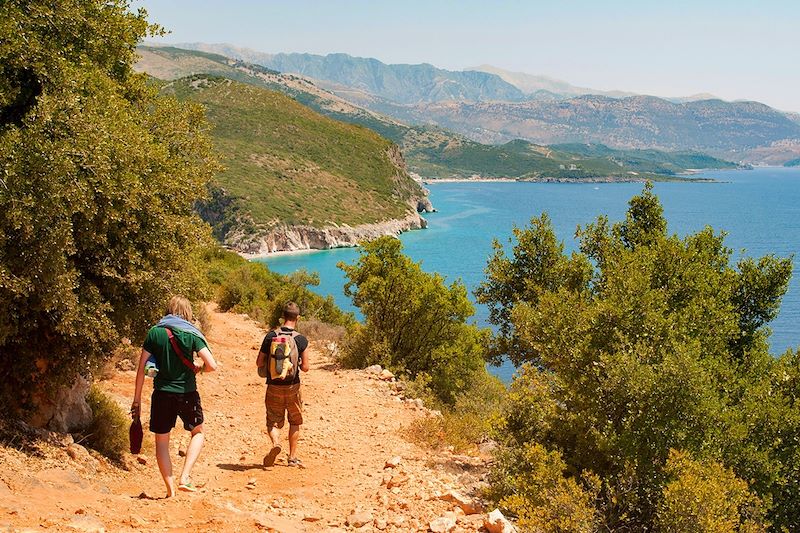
(759, 209)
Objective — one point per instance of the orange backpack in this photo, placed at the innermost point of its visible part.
(283, 356)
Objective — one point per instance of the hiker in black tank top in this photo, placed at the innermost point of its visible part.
(283, 399)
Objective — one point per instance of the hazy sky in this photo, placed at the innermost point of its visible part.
(734, 49)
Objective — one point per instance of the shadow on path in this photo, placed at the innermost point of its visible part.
(240, 467)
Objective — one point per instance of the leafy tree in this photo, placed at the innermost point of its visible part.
(98, 177)
(646, 342)
(413, 321)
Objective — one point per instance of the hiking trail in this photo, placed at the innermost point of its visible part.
(355, 429)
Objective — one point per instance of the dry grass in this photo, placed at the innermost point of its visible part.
(317, 330)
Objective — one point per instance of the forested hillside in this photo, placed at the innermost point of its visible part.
(285, 164)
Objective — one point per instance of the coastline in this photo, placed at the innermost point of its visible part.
(292, 240)
(682, 178)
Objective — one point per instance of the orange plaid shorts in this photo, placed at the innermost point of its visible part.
(283, 399)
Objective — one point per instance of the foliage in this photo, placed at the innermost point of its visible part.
(435, 152)
(530, 483)
(413, 322)
(251, 288)
(640, 343)
(465, 423)
(288, 165)
(706, 497)
(108, 432)
(98, 177)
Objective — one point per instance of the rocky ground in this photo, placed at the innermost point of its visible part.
(361, 470)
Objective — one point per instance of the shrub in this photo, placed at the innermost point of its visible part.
(108, 432)
(414, 323)
(318, 330)
(706, 497)
(99, 177)
(641, 343)
(467, 422)
(253, 289)
(529, 482)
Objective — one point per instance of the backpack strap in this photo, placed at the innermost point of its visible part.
(178, 351)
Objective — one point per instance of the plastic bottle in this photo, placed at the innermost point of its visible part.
(150, 368)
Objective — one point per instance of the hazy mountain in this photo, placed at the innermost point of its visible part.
(742, 131)
(543, 87)
(633, 122)
(402, 84)
(430, 151)
(533, 84)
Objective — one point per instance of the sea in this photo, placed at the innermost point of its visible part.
(758, 209)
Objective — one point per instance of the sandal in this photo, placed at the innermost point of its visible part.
(294, 461)
(269, 459)
(187, 487)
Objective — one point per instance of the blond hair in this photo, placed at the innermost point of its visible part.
(180, 306)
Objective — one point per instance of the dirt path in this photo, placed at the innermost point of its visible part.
(354, 424)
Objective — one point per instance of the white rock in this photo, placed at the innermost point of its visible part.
(359, 518)
(442, 525)
(394, 462)
(466, 505)
(386, 375)
(495, 522)
(374, 369)
(68, 411)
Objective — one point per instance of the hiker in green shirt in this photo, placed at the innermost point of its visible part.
(170, 347)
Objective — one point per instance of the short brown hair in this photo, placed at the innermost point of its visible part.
(180, 306)
(291, 311)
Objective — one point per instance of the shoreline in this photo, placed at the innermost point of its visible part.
(299, 251)
(675, 179)
(293, 240)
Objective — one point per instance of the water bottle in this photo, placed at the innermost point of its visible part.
(150, 367)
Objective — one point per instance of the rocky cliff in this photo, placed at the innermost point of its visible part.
(292, 238)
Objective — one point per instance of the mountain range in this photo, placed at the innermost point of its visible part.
(498, 106)
(431, 151)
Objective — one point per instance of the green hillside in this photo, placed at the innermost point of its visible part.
(433, 152)
(286, 164)
(521, 159)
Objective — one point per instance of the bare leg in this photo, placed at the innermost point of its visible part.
(275, 436)
(192, 452)
(294, 438)
(164, 462)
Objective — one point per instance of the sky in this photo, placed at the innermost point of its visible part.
(735, 49)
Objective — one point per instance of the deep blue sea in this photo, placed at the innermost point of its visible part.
(758, 209)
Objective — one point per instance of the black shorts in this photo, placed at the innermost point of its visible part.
(166, 407)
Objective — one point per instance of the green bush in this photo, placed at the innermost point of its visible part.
(414, 323)
(108, 432)
(640, 343)
(253, 289)
(706, 497)
(531, 483)
(99, 177)
(467, 422)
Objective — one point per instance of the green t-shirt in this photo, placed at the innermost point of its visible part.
(173, 375)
